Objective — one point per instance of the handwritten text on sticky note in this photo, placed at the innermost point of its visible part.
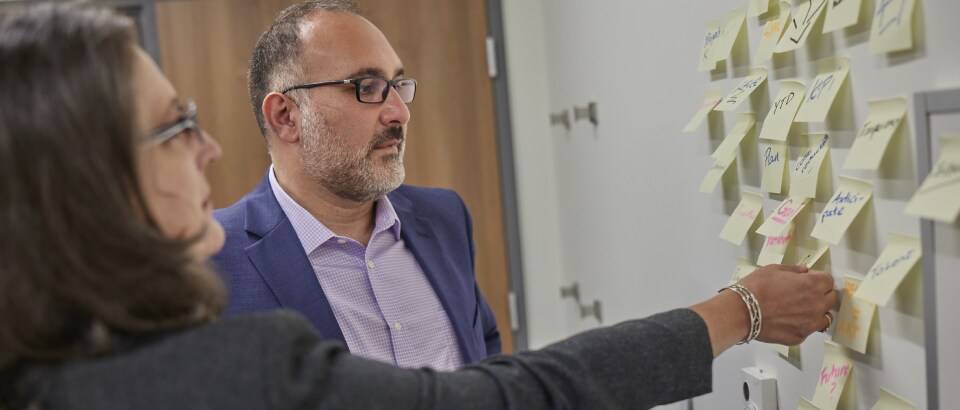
(834, 372)
(852, 196)
(777, 123)
(897, 260)
(883, 120)
(755, 78)
(854, 319)
(938, 198)
(892, 26)
(774, 166)
(806, 173)
(800, 27)
(824, 90)
(746, 214)
(781, 217)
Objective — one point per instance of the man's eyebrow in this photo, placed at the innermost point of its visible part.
(374, 72)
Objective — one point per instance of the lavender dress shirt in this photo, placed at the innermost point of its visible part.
(379, 295)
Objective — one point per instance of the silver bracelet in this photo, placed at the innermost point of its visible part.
(753, 308)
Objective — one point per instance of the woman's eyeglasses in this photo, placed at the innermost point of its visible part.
(188, 122)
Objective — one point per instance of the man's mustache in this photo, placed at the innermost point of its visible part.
(387, 135)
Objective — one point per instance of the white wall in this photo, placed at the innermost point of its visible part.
(616, 207)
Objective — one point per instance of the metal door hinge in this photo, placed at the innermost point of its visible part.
(491, 57)
(514, 318)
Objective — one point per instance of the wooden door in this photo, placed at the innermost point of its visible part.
(205, 46)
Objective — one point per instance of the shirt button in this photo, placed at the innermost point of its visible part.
(341, 241)
(397, 326)
(370, 264)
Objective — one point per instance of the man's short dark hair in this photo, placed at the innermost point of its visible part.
(275, 63)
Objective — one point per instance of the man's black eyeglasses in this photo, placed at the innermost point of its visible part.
(371, 90)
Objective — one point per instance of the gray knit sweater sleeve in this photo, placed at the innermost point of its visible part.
(637, 364)
(277, 361)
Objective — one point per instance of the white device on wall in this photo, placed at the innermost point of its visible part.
(759, 389)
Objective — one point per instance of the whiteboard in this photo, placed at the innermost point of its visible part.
(615, 208)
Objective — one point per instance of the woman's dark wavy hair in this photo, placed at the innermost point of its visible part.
(82, 264)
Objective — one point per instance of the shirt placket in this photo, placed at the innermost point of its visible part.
(385, 298)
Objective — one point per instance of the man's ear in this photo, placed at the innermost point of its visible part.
(282, 117)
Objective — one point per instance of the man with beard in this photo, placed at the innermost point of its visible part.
(330, 231)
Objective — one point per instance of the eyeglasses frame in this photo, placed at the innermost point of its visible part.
(356, 85)
(187, 123)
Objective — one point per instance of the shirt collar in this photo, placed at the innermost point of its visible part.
(387, 218)
(312, 233)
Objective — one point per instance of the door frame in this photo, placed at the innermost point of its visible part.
(508, 181)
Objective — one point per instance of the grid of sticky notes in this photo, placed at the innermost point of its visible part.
(815, 208)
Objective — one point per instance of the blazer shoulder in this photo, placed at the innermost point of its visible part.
(229, 260)
(428, 198)
(233, 216)
(258, 207)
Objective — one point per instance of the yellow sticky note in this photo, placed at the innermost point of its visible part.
(772, 31)
(755, 78)
(854, 319)
(746, 214)
(775, 246)
(841, 14)
(781, 217)
(799, 28)
(890, 401)
(811, 255)
(938, 198)
(730, 32)
(744, 268)
(745, 124)
(758, 7)
(898, 258)
(785, 106)
(830, 78)
(806, 172)
(803, 404)
(883, 120)
(711, 42)
(842, 209)
(774, 166)
(715, 173)
(892, 26)
(834, 372)
(711, 100)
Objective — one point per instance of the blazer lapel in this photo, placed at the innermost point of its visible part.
(418, 234)
(279, 258)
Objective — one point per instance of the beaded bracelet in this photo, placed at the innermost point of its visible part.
(753, 308)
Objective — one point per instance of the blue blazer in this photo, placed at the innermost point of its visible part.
(265, 267)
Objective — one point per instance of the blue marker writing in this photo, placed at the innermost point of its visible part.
(770, 158)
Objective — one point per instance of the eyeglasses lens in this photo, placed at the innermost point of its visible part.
(407, 88)
(374, 90)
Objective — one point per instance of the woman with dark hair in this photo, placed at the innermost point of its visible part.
(106, 302)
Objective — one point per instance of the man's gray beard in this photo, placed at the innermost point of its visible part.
(350, 176)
